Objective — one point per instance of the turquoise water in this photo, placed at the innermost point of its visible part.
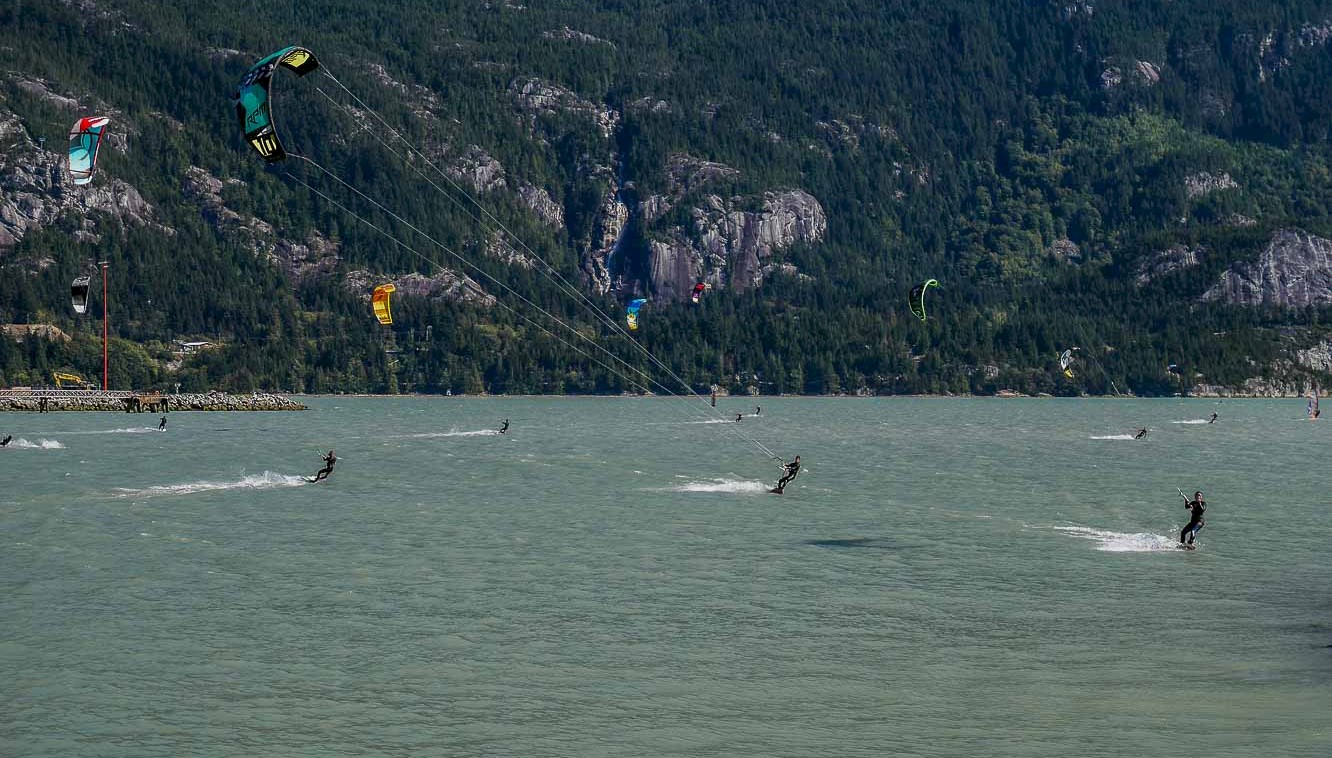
(947, 578)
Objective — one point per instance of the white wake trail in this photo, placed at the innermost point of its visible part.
(265, 481)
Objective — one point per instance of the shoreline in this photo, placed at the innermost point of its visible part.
(761, 398)
(93, 401)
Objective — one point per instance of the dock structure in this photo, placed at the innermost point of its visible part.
(38, 400)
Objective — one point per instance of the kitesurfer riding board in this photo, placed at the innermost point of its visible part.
(1197, 507)
(790, 471)
(327, 470)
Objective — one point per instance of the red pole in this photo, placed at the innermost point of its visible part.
(106, 382)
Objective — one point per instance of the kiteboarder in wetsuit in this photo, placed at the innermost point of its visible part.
(504, 428)
(1141, 433)
(162, 426)
(1196, 508)
(1212, 420)
(324, 472)
(739, 416)
(790, 471)
(5, 442)
(757, 410)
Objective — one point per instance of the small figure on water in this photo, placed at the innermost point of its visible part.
(1197, 506)
(5, 441)
(323, 473)
(504, 428)
(739, 416)
(1212, 420)
(161, 426)
(789, 471)
(1142, 432)
(758, 410)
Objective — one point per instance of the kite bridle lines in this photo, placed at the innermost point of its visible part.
(488, 222)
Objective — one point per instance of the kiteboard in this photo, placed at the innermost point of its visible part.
(1188, 547)
(775, 492)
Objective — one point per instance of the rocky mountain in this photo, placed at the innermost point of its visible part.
(1293, 271)
(1152, 180)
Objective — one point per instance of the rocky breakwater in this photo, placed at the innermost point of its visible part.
(145, 402)
(220, 401)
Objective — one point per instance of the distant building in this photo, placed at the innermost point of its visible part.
(190, 348)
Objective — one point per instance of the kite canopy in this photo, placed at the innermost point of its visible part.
(84, 140)
(380, 300)
(631, 313)
(252, 99)
(698, 291)
(1066, 360)
(78, 294)
(917, 297)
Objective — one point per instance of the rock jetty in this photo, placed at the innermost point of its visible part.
(58, 400)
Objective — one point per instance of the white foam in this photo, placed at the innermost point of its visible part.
(132, 430)
(265, 481)
(1112, 437)
(720, 485)
(1120, 542)
(41, 444)
(1193, 421)
(713, 421)
(477, 433)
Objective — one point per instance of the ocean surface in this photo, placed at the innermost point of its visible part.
(947, 577)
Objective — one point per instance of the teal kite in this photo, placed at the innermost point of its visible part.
(84, 140)
(252, 99)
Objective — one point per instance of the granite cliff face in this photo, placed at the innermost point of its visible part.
(443, 285)
(316, 256)
(1162, 262)
(728, 246)
(599, 250)
(1293, 271)
(35, 191)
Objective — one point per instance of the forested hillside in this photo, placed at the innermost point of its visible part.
(1148, 181)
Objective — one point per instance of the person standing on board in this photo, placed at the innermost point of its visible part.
(1197, 506)
(324, 472)
(789, 471)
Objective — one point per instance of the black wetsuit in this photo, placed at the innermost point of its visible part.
(1195, 521)
(504, 428)
(738, 417)
(1212, 420)
(792, 470)
(5, 443)
(324, 472)
(162, 426)
(1142, 433)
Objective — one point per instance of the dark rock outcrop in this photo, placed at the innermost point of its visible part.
(542, 205)
(445, 285)
(538, 97)
(1160, 263)
(36, 190)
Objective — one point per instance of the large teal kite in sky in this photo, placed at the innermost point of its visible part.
(252, 99)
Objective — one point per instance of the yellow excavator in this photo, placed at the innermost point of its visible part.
(62, 380)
